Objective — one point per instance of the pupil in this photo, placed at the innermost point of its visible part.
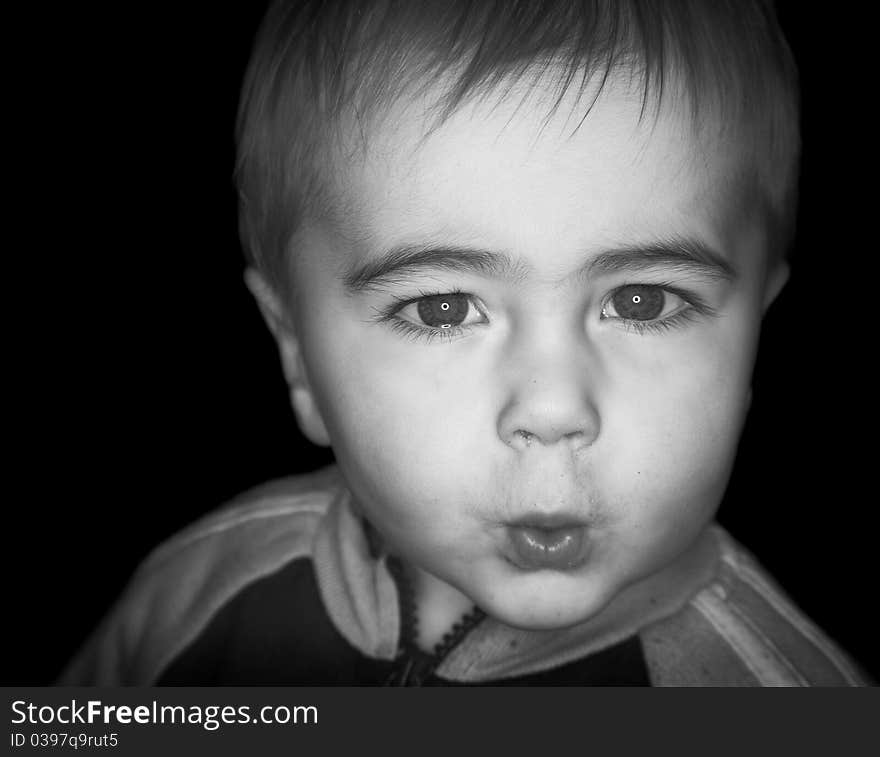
(638, 302)
(443, 310)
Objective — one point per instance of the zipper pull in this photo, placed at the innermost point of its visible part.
(411, 669)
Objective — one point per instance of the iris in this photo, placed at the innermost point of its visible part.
(443, 311)
(638, 302)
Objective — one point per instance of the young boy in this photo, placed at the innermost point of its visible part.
(515, 257)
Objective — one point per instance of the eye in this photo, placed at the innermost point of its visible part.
(642, 302)
(442, 311)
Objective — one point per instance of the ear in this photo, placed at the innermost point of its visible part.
(777, 277)
(302, 399)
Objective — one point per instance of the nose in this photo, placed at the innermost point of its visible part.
(551, 401)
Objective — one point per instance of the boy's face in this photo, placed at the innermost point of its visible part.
(532, 350)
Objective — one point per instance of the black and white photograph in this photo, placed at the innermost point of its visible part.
(403, 343)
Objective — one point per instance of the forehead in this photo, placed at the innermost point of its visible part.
(504, 175)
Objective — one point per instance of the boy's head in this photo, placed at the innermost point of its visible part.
(516, 257)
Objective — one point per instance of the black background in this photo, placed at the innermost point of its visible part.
(145, 390)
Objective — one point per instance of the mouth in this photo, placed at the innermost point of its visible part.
(558, 543)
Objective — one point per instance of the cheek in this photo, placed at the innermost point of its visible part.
(399, 425)
(674, 432)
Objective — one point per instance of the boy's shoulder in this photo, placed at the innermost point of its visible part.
(742, 629)
(185, 580)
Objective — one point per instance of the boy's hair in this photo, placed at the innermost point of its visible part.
(322, 69)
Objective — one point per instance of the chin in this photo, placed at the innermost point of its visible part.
(544, 621)
(546, 615)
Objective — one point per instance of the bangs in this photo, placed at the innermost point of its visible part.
(321, 66)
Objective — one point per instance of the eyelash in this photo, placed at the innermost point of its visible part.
(696, 306)
(411, 330)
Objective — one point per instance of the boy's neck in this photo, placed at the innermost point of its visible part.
(438, 607)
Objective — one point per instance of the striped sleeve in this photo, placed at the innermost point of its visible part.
(742, 630)
(184, 583)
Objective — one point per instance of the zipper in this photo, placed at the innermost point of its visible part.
(413, 666)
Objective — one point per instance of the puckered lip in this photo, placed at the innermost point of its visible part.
(558, 542)
(548, 521)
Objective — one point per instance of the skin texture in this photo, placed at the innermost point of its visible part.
(546, 403)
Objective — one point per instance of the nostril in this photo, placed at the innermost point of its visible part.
(526, 437)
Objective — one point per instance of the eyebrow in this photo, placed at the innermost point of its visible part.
(684, 256)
